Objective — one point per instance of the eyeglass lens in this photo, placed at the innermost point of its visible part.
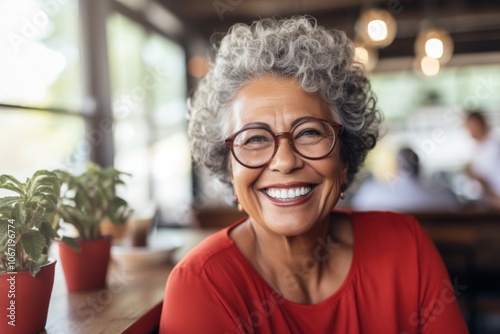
(312, 139)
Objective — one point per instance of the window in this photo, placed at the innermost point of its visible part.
(42, 102)
(40, 87)
(149, 93)
(426, 114)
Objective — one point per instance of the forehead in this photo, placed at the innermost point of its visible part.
(277, 102)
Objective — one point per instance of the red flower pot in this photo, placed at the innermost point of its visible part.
(86, 270)
(24, 300)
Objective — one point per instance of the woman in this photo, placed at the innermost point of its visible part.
(286, 118)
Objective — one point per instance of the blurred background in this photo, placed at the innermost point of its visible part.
(107, 81)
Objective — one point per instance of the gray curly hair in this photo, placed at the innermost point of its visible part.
(320, 60)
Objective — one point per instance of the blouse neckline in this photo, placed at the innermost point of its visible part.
(304, 307)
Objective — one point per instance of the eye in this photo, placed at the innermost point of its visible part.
(309, 132)
(254, 139)
(257, 139)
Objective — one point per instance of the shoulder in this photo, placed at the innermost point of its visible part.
(391, 247)
(210, 250)
(387, 220)
(387, 232)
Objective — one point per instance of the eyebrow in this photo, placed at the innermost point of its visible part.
(256, 124)
(298, 120)
(266, 126)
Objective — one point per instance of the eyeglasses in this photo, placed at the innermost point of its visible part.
(311, 138)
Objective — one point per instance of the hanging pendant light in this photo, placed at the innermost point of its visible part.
(429, 66)
(365, 55)
(434, 43)
(376, 27)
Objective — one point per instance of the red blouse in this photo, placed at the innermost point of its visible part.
(397, 283)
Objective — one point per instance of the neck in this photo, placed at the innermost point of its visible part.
(295, 265)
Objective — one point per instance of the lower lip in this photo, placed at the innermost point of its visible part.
(292, 202)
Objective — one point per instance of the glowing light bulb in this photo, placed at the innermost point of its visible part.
(361, 55)
(429, 66)
(434, 48)
(377, 30)
(434, 43)
(365, 56)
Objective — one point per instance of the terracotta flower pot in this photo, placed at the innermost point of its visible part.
(87, 269)
(24, 300)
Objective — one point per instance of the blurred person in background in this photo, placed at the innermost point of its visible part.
(485, 163)
(285, 117)
(406, 192)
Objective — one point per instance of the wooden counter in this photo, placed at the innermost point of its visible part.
(131, 302)
(478, 231)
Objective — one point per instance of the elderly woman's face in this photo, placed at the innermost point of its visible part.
(314, 185)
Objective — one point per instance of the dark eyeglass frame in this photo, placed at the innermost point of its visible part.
(229, 141)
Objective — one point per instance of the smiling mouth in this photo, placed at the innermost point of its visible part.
(289, 193)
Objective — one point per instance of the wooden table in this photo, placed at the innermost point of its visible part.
(132, 300)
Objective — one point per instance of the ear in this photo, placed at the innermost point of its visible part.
(345, 171)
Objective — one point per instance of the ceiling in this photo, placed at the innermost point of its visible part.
(473, 24)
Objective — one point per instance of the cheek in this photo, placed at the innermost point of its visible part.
(237, 172)
(243, 178)
(335, 170)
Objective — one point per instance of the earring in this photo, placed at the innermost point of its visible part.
(342, 188)
(240, 208)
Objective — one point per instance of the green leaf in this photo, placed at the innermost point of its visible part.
(3, 231)
(30, 214)
(50, 179)
(71, 243)
(4, 178)
(11, 183)
(76, 218)
(63, 176)
(19, 213)
(20, 229)
(12, 187)
(51, 199)
(33, 243)
(47, 201)
(47, 231)
(34, 214)
(45, 189)
(6, 212)
(9, 200)
(42, 177)
(92, 196)
(119, 202)
(34, 268)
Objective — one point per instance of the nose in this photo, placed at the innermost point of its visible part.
(285, 160)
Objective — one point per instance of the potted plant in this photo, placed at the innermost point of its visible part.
(88, 200)
(27, 221)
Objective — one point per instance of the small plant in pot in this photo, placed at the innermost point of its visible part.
(27, 221)
(88, 200)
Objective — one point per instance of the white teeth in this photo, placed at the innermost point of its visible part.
(291, 193)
